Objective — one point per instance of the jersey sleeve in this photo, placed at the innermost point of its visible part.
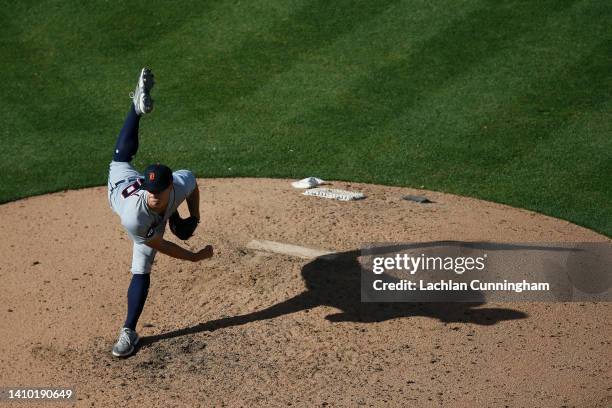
(184, 183)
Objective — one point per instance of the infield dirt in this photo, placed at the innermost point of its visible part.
(249, 328)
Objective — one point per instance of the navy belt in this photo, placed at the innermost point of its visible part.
(129, 179)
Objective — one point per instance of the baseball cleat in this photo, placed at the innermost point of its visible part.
(126, 343)
(143, 103)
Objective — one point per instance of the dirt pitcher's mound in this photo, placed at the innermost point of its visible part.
(245, 329)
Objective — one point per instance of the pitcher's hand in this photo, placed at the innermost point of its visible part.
(202, 254)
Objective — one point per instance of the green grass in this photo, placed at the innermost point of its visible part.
(505, 101)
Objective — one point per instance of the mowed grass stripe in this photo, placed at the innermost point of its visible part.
(340, 117)
(264, 122)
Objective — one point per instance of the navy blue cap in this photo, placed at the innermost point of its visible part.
(157, 178)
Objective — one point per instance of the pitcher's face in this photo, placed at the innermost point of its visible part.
(159, 200)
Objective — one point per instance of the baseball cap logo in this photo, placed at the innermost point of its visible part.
(151, 176)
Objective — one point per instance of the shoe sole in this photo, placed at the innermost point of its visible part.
(146, 87)
(129, 353)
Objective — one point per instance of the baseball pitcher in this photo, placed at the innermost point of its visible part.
(145, 203)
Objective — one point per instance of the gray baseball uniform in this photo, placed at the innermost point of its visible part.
(140, 222)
